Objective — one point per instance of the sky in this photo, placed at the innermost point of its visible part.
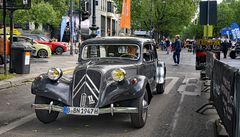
(219, 1)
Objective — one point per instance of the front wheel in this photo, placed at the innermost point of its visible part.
(59, 50)
(139, 119)
(44, 115)
(160, 88)
(42, 53)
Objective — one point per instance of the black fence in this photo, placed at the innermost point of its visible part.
(225, 83)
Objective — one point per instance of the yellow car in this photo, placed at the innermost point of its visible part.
(41, 50)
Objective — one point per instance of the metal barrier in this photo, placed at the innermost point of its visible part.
(224, 93)
(237, 103)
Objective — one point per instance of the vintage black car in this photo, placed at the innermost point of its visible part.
(114, 75)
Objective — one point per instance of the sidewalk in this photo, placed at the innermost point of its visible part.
(39, 66)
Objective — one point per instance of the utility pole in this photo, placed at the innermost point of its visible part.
(94, 27)
(79, 27)
(71, 27)
(4, 37)
(11, 41)
(151, 24)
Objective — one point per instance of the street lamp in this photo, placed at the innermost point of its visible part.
(94, 27)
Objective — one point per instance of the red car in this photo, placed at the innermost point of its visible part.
(56, 47)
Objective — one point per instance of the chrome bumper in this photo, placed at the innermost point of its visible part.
(50, 107)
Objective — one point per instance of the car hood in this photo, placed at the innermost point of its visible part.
(41, 45)
(106, 69)
(58, 43)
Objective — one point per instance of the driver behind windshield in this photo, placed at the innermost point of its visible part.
(132, 51)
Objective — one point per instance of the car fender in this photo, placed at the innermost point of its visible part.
(60, 90)
(160, 72)
(125, 90)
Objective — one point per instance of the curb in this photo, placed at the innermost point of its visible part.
(21, 80)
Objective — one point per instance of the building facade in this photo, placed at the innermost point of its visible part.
(106, 18)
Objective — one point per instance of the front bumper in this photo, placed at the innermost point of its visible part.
(50, 107)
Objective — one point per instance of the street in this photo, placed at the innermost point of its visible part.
(171, 114)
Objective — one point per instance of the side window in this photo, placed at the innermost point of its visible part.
(148, 52)
(154, 51)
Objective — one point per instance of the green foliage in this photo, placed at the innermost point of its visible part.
(36, 31)
(169, 16)
(43, 11)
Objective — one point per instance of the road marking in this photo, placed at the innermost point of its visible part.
(17, 123)
(176, 116)
(169, 87)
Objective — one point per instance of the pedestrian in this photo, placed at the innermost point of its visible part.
(167, 45)
(176, 50)
(224, 46)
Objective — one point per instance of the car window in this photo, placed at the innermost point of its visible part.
(44, 38)
(111, 51)
(148, 52)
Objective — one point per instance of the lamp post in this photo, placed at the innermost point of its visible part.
(79, 27)
(151, 24)
(94, 27)
(71, 27)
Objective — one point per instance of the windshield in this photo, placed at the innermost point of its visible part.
(111, 51)
(45, 38)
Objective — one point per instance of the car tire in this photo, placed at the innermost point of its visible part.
(42, 53)
(44, 115)
(59, 50)
(232, 55)
(160, 88)
(139, 119)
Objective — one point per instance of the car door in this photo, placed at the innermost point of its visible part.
(148, 65)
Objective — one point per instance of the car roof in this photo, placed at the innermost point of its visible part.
(115, 40)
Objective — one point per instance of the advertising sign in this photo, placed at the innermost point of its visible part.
(235, 31)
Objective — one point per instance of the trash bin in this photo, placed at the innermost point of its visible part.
(20, 58)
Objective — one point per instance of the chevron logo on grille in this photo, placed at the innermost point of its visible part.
(86, 82)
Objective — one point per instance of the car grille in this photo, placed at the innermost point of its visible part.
(86, 86)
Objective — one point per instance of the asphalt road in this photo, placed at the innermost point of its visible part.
(171, 114)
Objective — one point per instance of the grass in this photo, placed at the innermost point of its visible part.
(4, 77)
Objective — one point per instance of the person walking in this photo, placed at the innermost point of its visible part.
(177, 49)
(167, 45)
(225, 45)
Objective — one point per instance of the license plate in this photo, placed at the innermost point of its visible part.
(81, 111)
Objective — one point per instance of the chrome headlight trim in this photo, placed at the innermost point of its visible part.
(54, 74)
(118, 74)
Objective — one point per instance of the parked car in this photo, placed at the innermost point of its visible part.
(114, 75)
(56, 47)
(41, 50)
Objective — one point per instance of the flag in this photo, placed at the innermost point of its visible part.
(126, 14)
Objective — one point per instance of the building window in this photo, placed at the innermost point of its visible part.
(109, 7)
(96, 3)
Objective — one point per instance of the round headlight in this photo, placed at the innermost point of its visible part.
(54, 73)
(118, 74)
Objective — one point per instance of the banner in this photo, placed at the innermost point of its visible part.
(208, 30)
(63, 26)
(223, 94)
(126, 14)
(235, 31)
